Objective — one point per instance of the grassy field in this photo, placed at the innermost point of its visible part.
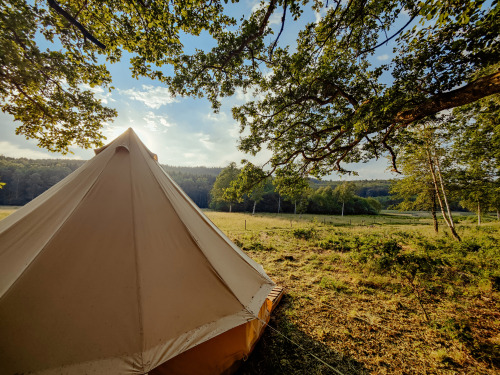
(6, 211)
(379, 295)
(373, 294)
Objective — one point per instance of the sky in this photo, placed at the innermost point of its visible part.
(181, 131)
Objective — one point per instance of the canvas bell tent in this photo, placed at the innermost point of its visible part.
(115, 270)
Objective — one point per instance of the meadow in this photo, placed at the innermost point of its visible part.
(375, 294)
(6, 211)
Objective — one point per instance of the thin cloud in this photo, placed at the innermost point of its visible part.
(383, 57)
(205, 140)
(216, 117)
(248, 94)
(14, 151)
(152, 96)
(156, 122)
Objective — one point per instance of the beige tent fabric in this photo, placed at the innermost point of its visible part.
(114, 271)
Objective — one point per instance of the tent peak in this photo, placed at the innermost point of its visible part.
(122, 143)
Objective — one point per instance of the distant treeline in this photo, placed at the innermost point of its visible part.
(378, 189)
(195, 171)
(25, 179)
(320, 201)
(364, 188)
(195, 181)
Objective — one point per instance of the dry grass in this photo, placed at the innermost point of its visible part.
(6, 211)
(358, 320)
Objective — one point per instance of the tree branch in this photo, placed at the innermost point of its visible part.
(480, 88)
(393, 36)
(54, 5)
(251, 38)
(36, 103)
(285, 3)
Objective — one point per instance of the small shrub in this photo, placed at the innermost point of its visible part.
(303, 233)
(495, 282)
(325, 244)
(256, 245)
(412, 264)
(456, 330)
(341, 245)
(336, 257)
(468, 246)
(390, 248)
(405, 236)
(378, 253)
(425, 245)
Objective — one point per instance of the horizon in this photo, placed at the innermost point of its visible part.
(357, 178)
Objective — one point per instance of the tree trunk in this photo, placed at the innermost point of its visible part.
(478, 213)
(433, 212)
(230, 207)
(447, 219)
(279, 203)
(342, 208)
(254, 204)
(295, 207)
(444, 193)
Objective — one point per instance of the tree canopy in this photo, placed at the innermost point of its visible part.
(319, 103)
(222, 192)
(322, 102)
(53, 53)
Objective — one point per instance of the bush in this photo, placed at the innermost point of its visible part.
(468, 246)
(412, 264)
(340, 245)
(378, 252)
(303, 233)
(257, 245)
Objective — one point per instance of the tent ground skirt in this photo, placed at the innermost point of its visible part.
(223, 354)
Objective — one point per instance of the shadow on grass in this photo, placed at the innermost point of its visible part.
(487, 352)
(274, 354)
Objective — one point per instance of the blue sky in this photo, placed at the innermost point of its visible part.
(182, 131)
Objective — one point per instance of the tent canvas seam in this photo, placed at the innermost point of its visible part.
(136, 255)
